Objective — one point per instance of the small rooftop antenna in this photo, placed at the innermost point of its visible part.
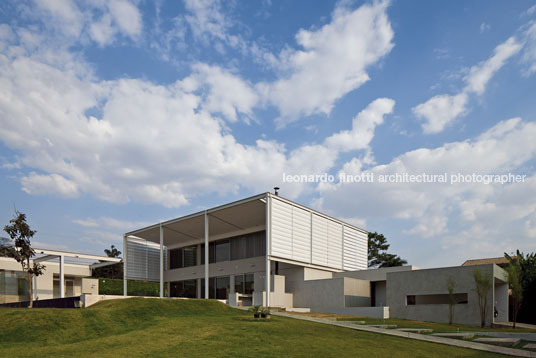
(276, 190)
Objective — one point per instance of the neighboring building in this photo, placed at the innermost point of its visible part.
(60, 279)
(502, 262)
(303, 258)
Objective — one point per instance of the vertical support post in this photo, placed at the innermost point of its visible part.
(161, 261)
(124, 265)
(206, 257)
(268, 236)
(62, 277)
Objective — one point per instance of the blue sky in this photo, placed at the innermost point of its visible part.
(117, 114)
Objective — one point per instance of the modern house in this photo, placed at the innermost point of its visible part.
(267, 250)
(66, 274)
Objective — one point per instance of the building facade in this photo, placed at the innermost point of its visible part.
(267, 250)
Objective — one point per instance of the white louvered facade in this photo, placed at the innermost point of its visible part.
(303, 235)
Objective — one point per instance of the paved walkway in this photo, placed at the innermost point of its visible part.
(421, 337)
(511, 325)
(526, 336)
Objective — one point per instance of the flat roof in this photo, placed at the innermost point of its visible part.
(236, 215)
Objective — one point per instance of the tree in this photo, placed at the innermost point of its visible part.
(21, 249)
(451, 284)
(482, 287)
(377, 252)
(110, 271)
(527, 271)
(514, 281)
(112, 251)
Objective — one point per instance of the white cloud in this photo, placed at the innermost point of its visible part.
(439, 111)
(100, 21)
(66, 16)
(484, 27)
(453, 213)
(333, 61)
(111, 223)
(479, 75)
(127, 17)
(227, 93)
(529, 53)
(363, 126)
(49, 184)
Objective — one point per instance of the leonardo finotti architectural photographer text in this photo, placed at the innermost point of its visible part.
(457, 178)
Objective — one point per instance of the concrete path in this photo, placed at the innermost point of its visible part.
(499, 341)
(526, 336)
(421, 337)
(511, 324)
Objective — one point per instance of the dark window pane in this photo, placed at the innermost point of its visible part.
(211, 288)
(175, 258)
(212, 252)
(190, 288)
(238, 248)
(190, 256)
(410, 300)
(249, 282)
(222, 287)
(222, 251)
(175, 288)
(239, 284)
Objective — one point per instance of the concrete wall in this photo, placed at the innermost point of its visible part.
(374, 312)
(379, 274)
(90, 286)
(433, 281)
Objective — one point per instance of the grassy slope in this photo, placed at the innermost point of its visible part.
(153, 327)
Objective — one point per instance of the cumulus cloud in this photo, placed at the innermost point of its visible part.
(49, 184)
(529, 53)
(100, 21)
(333, 60)
(227, 93)
(150, 143)
(439, 111)
(447, 212)
(363, 126)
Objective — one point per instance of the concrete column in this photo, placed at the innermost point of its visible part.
(62, 277)
(268, 235)
(206, 257)
(124, 265)
(161, 261)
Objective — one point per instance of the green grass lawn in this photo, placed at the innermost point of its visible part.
(192, 328)
(437, 327)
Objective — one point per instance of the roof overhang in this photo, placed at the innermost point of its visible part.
(225, 219)
(54, 254)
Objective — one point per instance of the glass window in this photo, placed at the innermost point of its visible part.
(190, 256)
(210, 253)
(175, 258)
(222, 251)
(22, 287)
(211, 288)
(249, 283)
(222, 287)
(238, 248)
(190, 288)
(239, 284)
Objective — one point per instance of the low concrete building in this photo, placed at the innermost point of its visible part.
(59, 279)
(303, 259)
